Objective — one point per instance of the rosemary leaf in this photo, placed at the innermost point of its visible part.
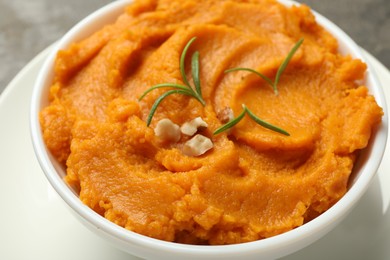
(269, 81)
(195, 72)
(230, 124)
(185, 89)
(257, 120)
(182, 61)
(284, 64)
(264, 123)
(163, 85)
(162, 97)
(280, 71)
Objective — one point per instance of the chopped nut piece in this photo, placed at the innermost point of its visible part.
(197, 145)
(190, 128)
(166, 130)
(225, 115)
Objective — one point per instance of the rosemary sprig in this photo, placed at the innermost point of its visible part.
(185, 89)
(281, 68)
(259, 121)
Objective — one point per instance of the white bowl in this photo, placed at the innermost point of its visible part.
(146, 247)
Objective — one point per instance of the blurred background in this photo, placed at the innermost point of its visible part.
(29, 26)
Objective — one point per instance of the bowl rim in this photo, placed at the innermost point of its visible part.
(286, 240)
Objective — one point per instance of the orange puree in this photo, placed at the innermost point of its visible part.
(254, 183)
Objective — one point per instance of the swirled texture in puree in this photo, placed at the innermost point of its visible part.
(254, 183)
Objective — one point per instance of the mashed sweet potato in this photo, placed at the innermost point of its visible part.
(254, 183)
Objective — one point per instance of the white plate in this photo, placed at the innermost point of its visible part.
(36, 224)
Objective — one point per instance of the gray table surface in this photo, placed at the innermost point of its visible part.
(28, 26)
